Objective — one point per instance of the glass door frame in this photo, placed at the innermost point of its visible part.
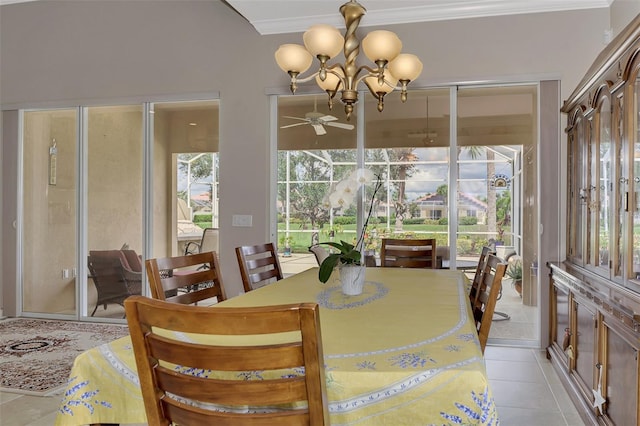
(81, 312)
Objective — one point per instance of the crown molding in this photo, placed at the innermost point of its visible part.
(268, 18)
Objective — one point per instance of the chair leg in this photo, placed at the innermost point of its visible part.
(94, 309)
(502, 315)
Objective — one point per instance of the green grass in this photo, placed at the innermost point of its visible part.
(301, 239)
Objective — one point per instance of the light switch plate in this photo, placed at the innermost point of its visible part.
(242, 220)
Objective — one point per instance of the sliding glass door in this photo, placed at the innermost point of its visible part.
(458, 164)
(185, 168)
(49, 211)
(114, 205)
(85, 202)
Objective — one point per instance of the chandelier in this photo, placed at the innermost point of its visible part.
(325, 42)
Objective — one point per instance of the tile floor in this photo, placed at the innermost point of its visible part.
(525, 387)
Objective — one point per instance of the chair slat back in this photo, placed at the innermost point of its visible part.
(404, 253)
(186, 279)
(208, 374)
(259, 265)
(488, 292)
(477, 278)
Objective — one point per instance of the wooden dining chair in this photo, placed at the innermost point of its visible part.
(259, 265)
(408, 253)
(195, 382)
(488, 291)
(182, 279)
(477, 278)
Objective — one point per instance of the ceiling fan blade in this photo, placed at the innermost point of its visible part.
(293, 125)
(319, 129)
(328, 118)
(341, 125)
(295, 118)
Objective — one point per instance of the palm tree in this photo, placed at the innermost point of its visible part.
(405, 157)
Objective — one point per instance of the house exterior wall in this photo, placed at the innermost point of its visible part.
(66, 53)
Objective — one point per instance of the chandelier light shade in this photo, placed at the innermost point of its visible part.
(293, 57)
(333, 82)
(325, 42)
(381, 46)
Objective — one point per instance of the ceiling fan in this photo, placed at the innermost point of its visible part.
(318, 120)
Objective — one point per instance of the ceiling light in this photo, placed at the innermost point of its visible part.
(325, 42)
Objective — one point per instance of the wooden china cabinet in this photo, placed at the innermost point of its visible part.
(595, 293)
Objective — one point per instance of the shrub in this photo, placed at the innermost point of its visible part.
(468, 220)
(414, 221)
(202, 218)
(344, 220)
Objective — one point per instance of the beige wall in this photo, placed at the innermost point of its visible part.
(68, 52)
(622, 12)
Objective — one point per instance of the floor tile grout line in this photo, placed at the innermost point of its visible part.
(553, 393)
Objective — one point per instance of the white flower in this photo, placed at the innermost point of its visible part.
(362, 176)
(341, 199)
(348, 186)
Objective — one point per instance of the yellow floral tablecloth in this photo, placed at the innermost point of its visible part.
(402, 353)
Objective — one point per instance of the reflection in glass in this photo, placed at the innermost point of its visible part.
(49, 212)
(636, 186)
(581, 192)
(605, 186)
(622, 187)
(114, 191)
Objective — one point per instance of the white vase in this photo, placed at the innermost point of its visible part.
(352, 279)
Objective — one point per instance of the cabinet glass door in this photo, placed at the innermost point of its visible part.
(621, 186)
(578, 192)
(635, 194)
(604, 188)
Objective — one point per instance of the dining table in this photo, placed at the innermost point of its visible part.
(404, 352)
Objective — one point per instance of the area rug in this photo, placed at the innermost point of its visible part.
(36, 355)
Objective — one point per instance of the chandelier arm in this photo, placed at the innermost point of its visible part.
(308, 78)
(370, 73)
(341, 77)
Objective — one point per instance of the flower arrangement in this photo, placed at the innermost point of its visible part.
(341, 198)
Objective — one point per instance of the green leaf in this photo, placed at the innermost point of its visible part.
(332, 244)
(327, 266)
(347, 247)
